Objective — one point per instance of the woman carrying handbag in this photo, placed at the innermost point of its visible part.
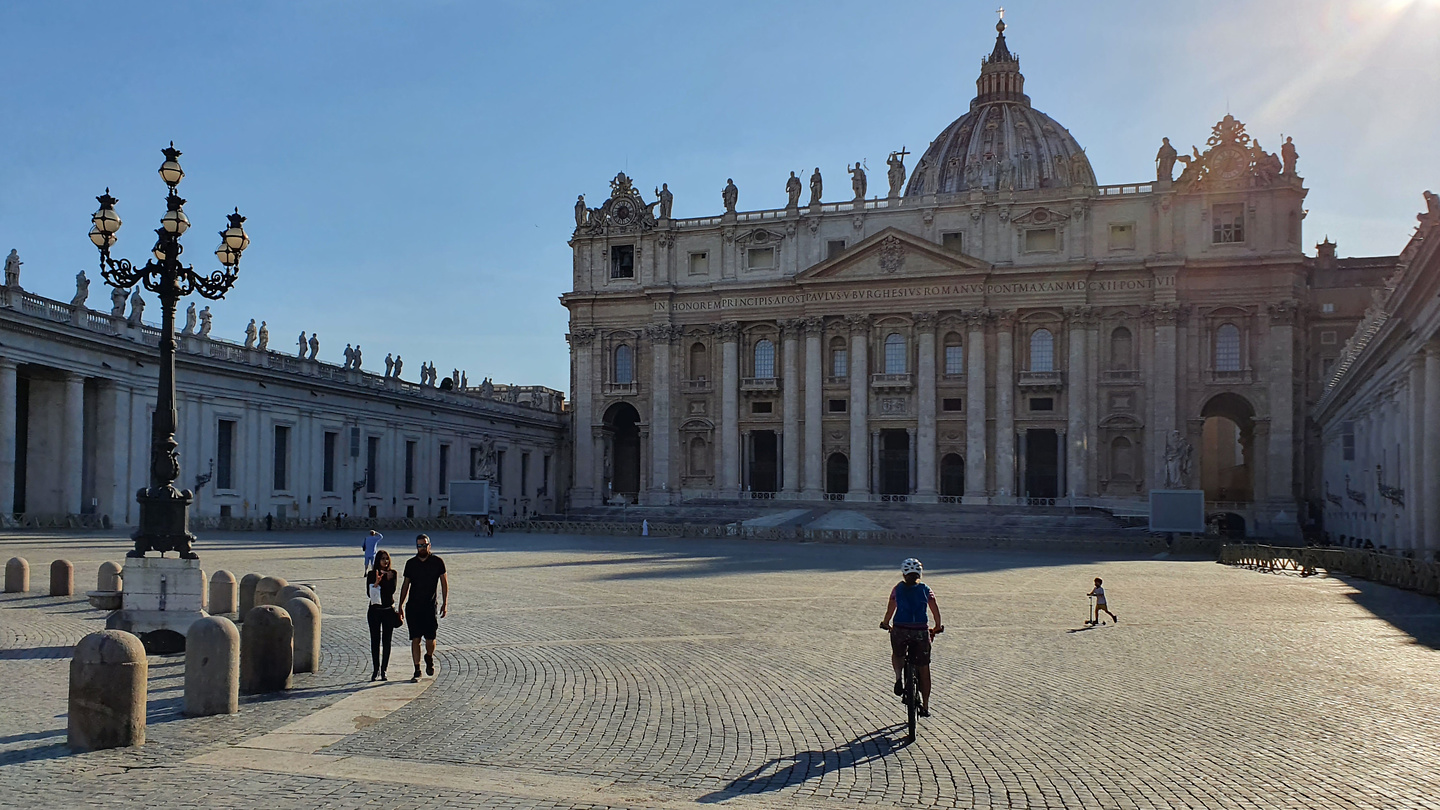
(380, 583)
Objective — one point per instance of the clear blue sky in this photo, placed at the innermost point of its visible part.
(409, 168)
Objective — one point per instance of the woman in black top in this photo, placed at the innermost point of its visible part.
(379, 617)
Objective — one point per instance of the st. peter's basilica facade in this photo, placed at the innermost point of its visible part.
(1001, 329)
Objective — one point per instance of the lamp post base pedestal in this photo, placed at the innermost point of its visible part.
(163, 596)
(164, 523)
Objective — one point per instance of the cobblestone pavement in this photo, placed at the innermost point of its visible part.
(614, 672)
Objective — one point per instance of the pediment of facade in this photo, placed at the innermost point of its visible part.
(894, 254)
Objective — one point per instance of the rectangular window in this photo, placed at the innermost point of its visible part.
(444, 469)
(622, 261)
(761, 258)
(544, 476)
(410, 511)
(1041, 240)
(838, 405)
(1042, 403)
(1327, 338)
(954, 241)
(839, 362)
(700, 264)
(1327, 308)
(762, 407)
(954, 360)
(834, 247)
(1347, 441)
(225, 455)
(354, 442)
(226, 510)
(409, 468)
(952, 404)
(327, 483)
(499, 473)
(372, 462)
(282, 456)
(524, 474)
(1228, 224)
(1122, 236)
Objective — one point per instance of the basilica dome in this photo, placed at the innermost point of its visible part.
(1002, 143)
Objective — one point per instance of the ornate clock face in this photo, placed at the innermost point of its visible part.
(623, 213)
(1229, 162)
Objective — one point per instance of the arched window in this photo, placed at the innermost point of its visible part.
(954, 355)
(1121, 349)
(699, 457)
(624, 364)
(699, 362)
(1227, 348)
(1122, 459)
(839, 357)
(765, 359)
(894, 354)
(1042, 350)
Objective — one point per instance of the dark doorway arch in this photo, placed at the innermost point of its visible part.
(837, 474)
(952, 475)
(622, 436)
(1227, 449)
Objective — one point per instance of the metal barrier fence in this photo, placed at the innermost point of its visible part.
(1388, 569)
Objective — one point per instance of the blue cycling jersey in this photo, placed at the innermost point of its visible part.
(911, 603)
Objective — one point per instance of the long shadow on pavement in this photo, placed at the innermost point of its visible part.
(810, 765)
(1414, 614)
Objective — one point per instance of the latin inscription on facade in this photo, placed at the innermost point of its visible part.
(893, 293)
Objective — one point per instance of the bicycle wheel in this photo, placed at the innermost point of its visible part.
(912, 701)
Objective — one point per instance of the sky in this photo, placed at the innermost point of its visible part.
(409, 168)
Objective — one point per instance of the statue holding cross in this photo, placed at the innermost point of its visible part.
(896, 161)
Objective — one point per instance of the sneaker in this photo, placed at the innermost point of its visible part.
(899, 688)
(374, 675)
(924, 711)
(382, 676)
(1115, 619)
(416, 677)
(429, 664)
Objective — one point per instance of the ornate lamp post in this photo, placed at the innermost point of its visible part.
(164, 510)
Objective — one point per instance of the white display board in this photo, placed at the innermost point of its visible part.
(470, 498)
(1177, 510)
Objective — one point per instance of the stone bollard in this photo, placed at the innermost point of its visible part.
(267, 589)
(223, 593)
(107, 691)
(247, 596)
(109, 578)
(17, 575)
(267, 652)
(305, 615)
(291, 591)
(62, 578)
(212, 666)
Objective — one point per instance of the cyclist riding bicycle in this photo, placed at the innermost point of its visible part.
(910, 634)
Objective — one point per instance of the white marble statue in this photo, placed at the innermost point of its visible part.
(389, 364)
(82, 289)
(314, 344)
(204, 322)
(250, 335)
(12, 269)
(137, 309)
(264, 344)
(301, 343)
(190, 319)
(118, 297)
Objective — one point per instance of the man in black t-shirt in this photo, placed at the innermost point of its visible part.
(422, 573)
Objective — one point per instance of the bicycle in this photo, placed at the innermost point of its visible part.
(910, 684)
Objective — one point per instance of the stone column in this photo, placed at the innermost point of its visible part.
(1432, 447)
(875, 461)
(662, 338)
(790, 405)
(1161, 388)
(72, 443)
(1421, 512)
(8, 437)
(729, 334)
(586, 489)
(814, 404)
(976, 485)
(859, 404)
(1076, 400)
(922, 440)
(1282, 406)
(1005, 406)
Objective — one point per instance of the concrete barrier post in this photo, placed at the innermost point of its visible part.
(267, 590)
(224, 593)
(247, 595)
(107, 691)
(109, 578)
(306, 617)
(291, 591)
(212, 666)
(62, 578)
(267, 652)
(17, 575)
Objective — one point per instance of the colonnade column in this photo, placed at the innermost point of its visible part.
(976, 485)
(1005, 405)
(1431, 480)
(1420, 510)
(790, 404)
(8, 437)
(1076, 400)
(662, 336)
(1282, 405)
(859, 404)
(72, 443)
(582, 418)
(814, 435)
(729, 408)
(1162, 394)
(922, 449)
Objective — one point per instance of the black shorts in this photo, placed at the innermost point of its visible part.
(912, 642)
(421, 621)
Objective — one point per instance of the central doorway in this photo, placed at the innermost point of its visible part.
(1042, 463)
(622, 422)
(894, 462)
(764, 457)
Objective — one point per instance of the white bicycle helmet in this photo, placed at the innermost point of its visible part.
(911, 566)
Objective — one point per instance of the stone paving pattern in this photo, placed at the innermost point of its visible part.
(754, 675)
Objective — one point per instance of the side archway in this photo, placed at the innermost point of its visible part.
(622, 447)
(1227, 449)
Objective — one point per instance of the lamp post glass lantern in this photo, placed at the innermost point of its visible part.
(165, 510)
